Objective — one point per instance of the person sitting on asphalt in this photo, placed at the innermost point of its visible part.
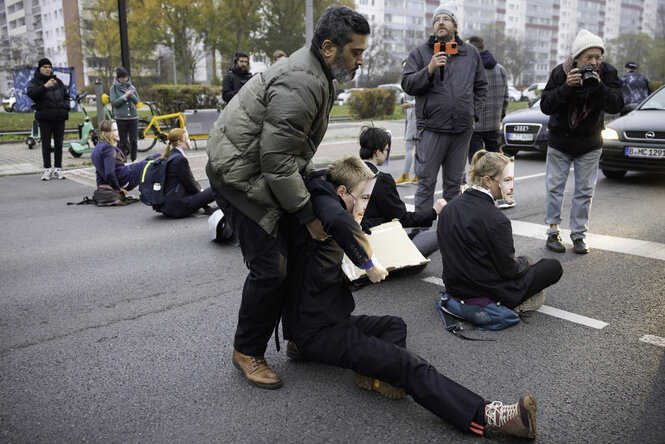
(182, 193)
(386, 205)
(109, 161)
(476, 240)
(318, 314)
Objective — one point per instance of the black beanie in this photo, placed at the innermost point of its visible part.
(43, 62)
(121, 72)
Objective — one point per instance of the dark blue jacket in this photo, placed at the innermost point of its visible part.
(110, 167)
(233, 81)
(386, 205)
(476, 241)
(320, 289)
(179, 185)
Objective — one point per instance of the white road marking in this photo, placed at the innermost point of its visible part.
(572, 317)
(655, 340)
(546, 309)
(636, 247)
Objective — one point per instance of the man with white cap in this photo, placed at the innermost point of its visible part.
(578, 94)
(450, 91)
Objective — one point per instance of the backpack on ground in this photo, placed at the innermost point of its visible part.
(106, 196)
(153, 178)
(490, 317)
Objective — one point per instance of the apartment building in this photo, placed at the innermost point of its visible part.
(549, 26)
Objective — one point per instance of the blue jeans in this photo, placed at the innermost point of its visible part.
(556, 175)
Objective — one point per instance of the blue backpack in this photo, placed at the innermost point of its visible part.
(153, 178)
(491, 317)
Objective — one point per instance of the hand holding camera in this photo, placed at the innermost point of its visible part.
(586, 77)
(51, 83)
(440, 57)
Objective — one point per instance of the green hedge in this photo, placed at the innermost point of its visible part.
(194, 96)
(373, 102)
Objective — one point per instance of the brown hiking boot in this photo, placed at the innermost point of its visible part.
(385, 389)
(517, 419)
(402, 180)
(256, 370)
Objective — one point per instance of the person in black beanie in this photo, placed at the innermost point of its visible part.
(51, 103)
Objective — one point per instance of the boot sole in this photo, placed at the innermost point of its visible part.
(531, 407)
(382, 388)
(273, 386)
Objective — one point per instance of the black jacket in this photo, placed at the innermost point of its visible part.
(179, 185)
(476, 241)
(233, 81)
(320, 293)
(558, 100)
(50, 103)
(386, 205)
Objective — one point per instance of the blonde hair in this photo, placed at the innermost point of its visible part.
(348, 171)
(486, 163)
(105, 128)
(175, 136)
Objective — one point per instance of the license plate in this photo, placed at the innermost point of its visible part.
(520, 137)
(650, 153)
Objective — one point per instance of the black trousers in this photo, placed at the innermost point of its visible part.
(128, 130)
(56, 130)
(375, 346)
(488, 140)
(266, 286)
(188, 205)
(546, 272)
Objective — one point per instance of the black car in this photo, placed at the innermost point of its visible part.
(636, 141)
(525, 130)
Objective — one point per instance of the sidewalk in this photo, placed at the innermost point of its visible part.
(341, 139)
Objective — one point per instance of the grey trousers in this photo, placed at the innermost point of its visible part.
(445, 151)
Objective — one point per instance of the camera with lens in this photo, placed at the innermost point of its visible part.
(589, 80)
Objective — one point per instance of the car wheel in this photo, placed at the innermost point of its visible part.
(614, 174)
(512, 99)
(512, 152)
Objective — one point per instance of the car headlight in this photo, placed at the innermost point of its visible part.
(609, 134)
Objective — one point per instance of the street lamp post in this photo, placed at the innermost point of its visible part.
(124, 43)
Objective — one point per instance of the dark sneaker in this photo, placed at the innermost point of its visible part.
(256, 370)
(293, 353)
(385, 389)
(580, 247)
(554, 243)
(517, 419)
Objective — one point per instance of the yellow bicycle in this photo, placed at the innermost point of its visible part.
(158, 126)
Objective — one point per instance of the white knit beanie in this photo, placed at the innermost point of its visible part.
(447, 8)
(586, 40)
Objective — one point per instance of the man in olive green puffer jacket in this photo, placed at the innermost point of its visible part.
(259, 150)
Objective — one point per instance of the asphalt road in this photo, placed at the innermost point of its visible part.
(116, 325)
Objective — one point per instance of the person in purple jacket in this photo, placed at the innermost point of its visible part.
(109, 161)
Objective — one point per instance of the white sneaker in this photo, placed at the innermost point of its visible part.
(532, 304)
(58, 174)
(46, 175)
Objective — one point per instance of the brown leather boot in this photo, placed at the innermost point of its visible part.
(256, 370)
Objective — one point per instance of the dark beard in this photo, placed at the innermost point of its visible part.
(341, 74)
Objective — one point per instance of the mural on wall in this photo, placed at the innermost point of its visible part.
(23, 75)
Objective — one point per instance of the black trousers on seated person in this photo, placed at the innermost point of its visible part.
(183, 207)
(375, 346)
(546, 272)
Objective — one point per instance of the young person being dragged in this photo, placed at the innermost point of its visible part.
(319, 309)
(476, 240)
(183, 194)
(386, 205)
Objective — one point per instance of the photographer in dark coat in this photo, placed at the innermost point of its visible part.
(578, 94)
(237, 76)
(182, 193)
(51, 98)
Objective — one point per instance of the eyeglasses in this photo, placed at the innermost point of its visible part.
(589, 57)
(442, 20)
